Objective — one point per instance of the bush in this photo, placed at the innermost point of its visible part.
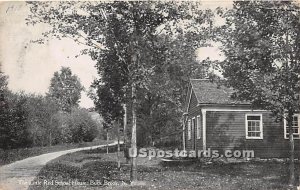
(83, 127)
(28, 120)
(13, 122)
(168, 144)
(74, 127)
(25, 120)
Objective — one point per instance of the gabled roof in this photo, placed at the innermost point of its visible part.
(208, 92)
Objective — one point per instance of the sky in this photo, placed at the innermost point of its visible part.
(30, 66)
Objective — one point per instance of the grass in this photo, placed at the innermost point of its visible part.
(12, 155)
(92, 169)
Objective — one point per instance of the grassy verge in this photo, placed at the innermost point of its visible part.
(96, 170)
(9, 156)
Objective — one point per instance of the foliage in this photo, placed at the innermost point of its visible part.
(164, 47)
(164, 66)
(25, 120)
(83, 127)
(156, 53)
(123, 37)
(261, 43)
(3, 83)
(3, 89)
(14, 132)
(75, 127)
(28, 120)
(61, 130)
(65, 88)
(41, 111)
(262, 54)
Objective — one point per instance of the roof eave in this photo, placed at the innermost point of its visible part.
(223, 104)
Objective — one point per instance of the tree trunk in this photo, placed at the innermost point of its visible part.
(50, 139)
(118, 152)
(133, 173)
(125, 133)
(107, 141)
(34, 139)
(50, 128)
(292, 150)
(184, 119)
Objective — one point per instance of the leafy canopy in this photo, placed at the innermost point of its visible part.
(261, 44)
(65, 88)
(162, 36)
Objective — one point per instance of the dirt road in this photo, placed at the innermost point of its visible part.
(18, 175)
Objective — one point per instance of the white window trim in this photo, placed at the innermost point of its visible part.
(203, 111)
(284, 127)
(198, 126)
(261, 126)
(189, 130)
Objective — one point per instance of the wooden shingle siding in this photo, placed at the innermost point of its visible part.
(193, 111)
(227, 130)
(193, 104)
(226, 123)
(187, 98)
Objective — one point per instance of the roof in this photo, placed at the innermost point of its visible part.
(208, 92)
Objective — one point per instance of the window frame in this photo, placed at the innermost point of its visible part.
(261, 126)
(285, 127)
(189, 134)
(198, 126)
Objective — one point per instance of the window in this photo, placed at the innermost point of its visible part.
(254, 127)
(296, 128)
(198, 127)
(189, 130)
(193, 126)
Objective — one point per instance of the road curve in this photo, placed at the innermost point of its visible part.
(18, 175)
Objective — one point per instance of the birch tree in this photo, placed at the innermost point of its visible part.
(261, 43)
(122, 38)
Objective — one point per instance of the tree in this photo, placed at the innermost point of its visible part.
(13, 116)
(41, 111)
(3, 88)
(83, 128)
(123, 38)
(4, 112)
(128, 70)
(25, 119)
(261, 44)
(66, 89)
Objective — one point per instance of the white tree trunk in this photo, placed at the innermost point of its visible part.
(133, 174)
